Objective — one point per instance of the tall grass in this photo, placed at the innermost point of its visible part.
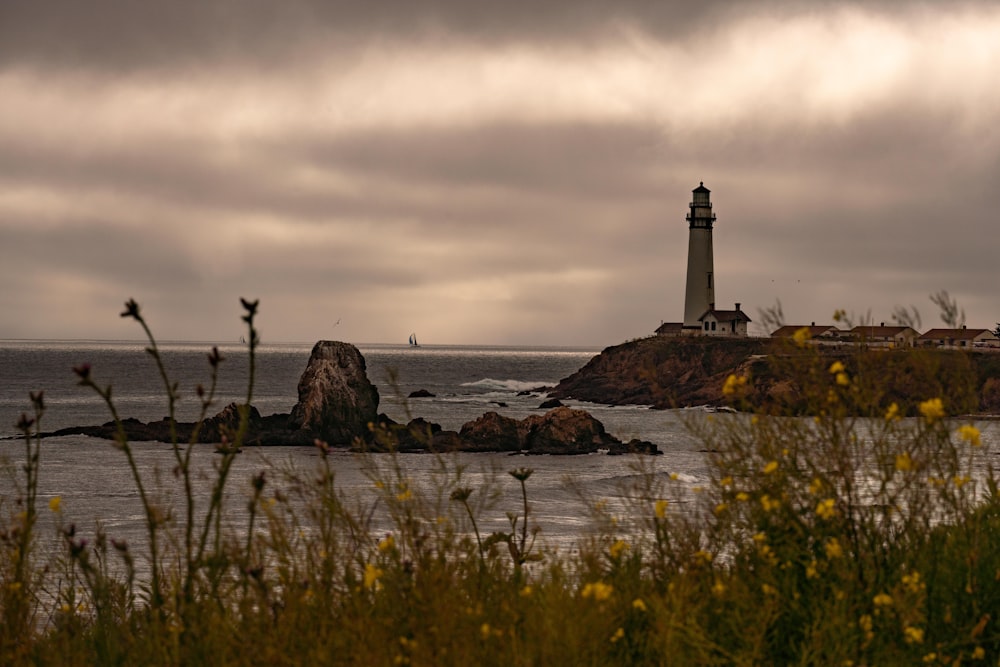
(830, 540)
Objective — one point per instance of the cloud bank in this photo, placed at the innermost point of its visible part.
(489, 174)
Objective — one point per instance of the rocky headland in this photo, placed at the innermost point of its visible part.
(665, 372)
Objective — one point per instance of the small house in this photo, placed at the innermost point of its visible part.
(724, 322)
(963, 338)
(883, 336)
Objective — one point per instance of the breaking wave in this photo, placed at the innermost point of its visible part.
(489, 384)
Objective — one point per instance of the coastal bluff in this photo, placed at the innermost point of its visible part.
(661, 372)
(679, 372)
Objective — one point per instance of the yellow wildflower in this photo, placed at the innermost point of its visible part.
(815, 486)
(372, 574)
(759, 537)
(960, 481)
(718, 588)
(801, 336)
(526, 592)
(734, 384)
(865, 623)
(768, 589)
(742, 496)
(913, 635)
(842, 379)
(839, 314)
(661, 509)
(932, 410)
(726, 481)
(638, 604)
(979, 653)
(811, 572)
(970, 434)
(882, 600)
(720, 508)
(387, 544)
(485, 631)
(617, 549)
(930, 657)
(619, 633)
(826, 509)
(892, 414)
(903, 462)
(770, 467)
(55, 504)
(404, 495)
(769, 503)
(836, 367)
(598, 590)
(912, 582)
(832, 548)
(768, 554)
(703, 556)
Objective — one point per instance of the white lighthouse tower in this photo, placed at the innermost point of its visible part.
(699, 295)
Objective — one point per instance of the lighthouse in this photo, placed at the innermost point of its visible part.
(699, 295)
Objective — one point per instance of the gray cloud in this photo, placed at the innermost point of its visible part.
(486, 172)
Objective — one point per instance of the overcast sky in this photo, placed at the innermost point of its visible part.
(509, 172)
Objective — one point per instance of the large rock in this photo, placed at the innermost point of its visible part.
(491, 433)
(565, 431)
(337, 402)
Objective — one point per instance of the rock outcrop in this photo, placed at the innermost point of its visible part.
(337, 401)
(661, 372)
(665, 372)
(559, 431)
(564, 431)
(491, 433)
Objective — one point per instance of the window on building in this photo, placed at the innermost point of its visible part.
(713, 326)
(709, 280)
(706, 326)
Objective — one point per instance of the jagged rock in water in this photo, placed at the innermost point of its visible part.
(227, 422)
(550, 403)
(491, 433)
(337, 402)
(565, 431)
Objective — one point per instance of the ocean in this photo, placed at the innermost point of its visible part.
(94, 483)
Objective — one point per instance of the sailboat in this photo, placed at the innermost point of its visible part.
(413, 340)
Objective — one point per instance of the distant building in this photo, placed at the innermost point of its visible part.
(823, 333)
(700, 315)
(724, 322)
(959, 338)
(883, 336)
(670, 329)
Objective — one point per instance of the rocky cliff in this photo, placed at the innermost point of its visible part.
(661, 372)
(682, 372)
